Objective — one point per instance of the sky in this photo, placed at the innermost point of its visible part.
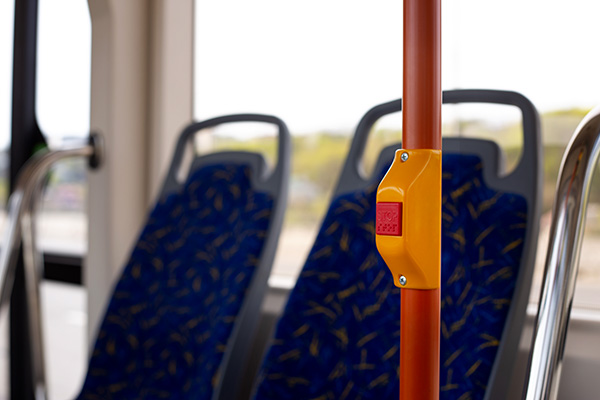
(321, 64)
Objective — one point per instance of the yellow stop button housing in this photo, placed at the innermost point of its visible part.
(409, 218)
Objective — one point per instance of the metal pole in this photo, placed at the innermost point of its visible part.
(421, 129)
(562, 260)
(21, 218)
(25, 137)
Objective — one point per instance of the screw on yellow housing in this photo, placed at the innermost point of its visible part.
(408, 226)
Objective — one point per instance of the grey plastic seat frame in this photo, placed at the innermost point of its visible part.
(274, 182)
(519, 181)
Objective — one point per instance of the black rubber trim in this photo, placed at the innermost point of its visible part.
(63, 268)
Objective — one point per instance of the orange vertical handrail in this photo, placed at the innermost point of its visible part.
(421, 129)
(409, 204)
(422, 80)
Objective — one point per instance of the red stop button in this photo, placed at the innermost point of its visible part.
(389, 219)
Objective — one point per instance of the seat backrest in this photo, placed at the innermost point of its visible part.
(338, 337)
(178, 322)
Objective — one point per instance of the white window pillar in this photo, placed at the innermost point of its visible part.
(141, 96)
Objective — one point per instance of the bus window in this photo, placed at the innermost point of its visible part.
(554, 69)
(6, 50)
(63, 114)
(317, 68)
(320, 68)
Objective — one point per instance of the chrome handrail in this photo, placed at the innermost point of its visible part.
(562, 260)
(21, 229)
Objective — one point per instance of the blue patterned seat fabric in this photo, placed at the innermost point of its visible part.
(338, 337)
(172, 312)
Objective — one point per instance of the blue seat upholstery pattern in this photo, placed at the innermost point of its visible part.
(172, 311)
(338, 337)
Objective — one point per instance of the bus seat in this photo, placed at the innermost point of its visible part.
(338, 336)
(182, 313)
